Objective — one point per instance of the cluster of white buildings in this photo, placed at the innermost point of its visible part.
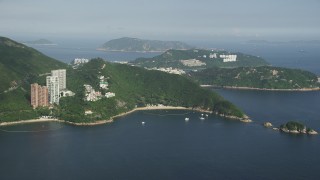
(78, 61)
(92, 95)
(228, 58)
(192, 62)
(169, 70)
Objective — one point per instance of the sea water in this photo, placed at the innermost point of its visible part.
(168, 147)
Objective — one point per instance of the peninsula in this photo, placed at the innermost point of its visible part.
(102, 90)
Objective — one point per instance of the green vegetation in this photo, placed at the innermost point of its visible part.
(134, 87)
(134, 44)
(293, 126)
(265, 77)
(296, 127)
(20, 65)
(172, 58)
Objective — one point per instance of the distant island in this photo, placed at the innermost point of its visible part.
(292, 127)
(128, 44)
(39, 42)
(296, 128)
(99, 90)
(284, 42)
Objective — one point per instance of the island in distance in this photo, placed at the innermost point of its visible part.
(128, 44)
(39, 42)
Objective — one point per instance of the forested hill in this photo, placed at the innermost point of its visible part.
(198, 59)
(137, 87)
(266, 77)
(141, 45)
(20, 63)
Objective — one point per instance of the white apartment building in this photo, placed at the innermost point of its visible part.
(62, 75)
(53, 89)
(228, 58)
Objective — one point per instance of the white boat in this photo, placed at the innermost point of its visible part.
(207, 115)
(202, 118)
(186, 119)
(143, 122)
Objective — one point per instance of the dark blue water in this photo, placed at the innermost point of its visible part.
(167, 147)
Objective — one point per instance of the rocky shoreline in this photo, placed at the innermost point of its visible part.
(259, 89)
(293, 131)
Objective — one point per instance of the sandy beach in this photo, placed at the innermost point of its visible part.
(100, 122)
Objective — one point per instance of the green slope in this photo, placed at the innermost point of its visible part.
(20, 63)
(135, 87)
(19, 67)
(266, 77)
(172, 58)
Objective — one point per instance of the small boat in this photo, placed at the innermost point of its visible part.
(186, 119)
(202, 118)
(207, 115)
(143, 122)
(201, 114)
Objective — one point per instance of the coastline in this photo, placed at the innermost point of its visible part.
(100, 122)
(260, 89)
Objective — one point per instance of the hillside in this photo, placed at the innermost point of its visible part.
(140, 45)
(19, 66)
(265, 77)
(200, 59)
(20, 63)
(136, 87)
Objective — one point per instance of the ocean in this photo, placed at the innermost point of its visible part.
(168, 147)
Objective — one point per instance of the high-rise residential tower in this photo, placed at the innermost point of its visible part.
(53, 89)
(39, 96)
(62, 75)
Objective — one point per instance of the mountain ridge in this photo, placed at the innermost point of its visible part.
(142, 45)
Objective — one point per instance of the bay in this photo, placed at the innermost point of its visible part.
(167, 147)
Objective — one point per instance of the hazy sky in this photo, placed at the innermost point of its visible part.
(161, 19)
